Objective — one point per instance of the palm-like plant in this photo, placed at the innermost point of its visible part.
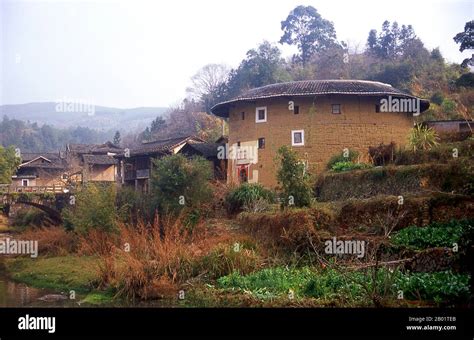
(423, 138)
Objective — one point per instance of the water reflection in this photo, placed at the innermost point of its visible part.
(13, 294)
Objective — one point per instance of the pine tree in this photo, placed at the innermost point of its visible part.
(117, 138)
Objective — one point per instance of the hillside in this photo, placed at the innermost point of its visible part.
(96, 117)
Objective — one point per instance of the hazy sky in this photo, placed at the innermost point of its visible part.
(142, 53)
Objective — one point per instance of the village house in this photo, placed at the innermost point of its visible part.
(92, 162)
(79, 163)
(209, 151)
(135, 164)
(451, 126)
(317, 118)
(40, 169)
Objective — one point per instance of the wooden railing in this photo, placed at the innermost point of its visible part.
(143, 173)
(137, 174)
(56, 189)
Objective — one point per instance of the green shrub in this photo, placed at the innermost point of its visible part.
(247, 195)
(293, 178)
(433, 235)
(465, 80)
(448, 106)
(437, 98)
(29, 217)
(347, 165)
(133, 205)
(457, 176)
(93, 208)
(441, 153)
(8, 163)
(49, 196)
(439, 286)
(25, 196)
(127, 202)
(178, 182)
(422, 138)
(351, 156)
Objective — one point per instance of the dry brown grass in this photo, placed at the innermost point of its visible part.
(146, 264)
(53, 241)
(97, 242)
(218, 203)
(293, 229)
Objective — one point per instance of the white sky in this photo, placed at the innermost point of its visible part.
(142, 53)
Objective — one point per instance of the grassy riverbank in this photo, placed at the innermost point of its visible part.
(62, 274)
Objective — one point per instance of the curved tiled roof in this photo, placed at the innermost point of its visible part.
(312, 88)
(160, 146)
(99, 159)
(93, 148)
(207, 150)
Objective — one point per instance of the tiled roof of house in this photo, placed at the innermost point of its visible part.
(94, 148)
(312, 88)
(207, 150)
(99, 159)
(161, 146)
(28, 156)
(43, 161)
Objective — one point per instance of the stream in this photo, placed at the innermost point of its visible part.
(15, 294)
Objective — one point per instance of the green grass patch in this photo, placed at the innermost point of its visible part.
(58, 273)
(269, 282)
(350, 286)
(438, 286)
(433, 235)
(348, 165)
(99, 298)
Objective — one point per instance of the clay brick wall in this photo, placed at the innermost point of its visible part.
(325, 134)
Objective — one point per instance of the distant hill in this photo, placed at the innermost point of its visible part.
(96, 117)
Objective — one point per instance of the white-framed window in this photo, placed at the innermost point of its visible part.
(261, 114)
(25, 182)
(297, 137)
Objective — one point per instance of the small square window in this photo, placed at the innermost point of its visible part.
(261, 143)
(336, 108)
(296, 110)
(297, 137)
(261, 114)
(243, 115)
(377, 108)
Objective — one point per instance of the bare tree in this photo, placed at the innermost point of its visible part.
(207, 81)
